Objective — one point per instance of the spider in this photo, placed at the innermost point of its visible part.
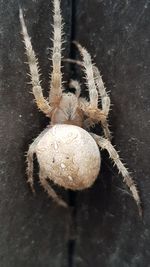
(67, 152)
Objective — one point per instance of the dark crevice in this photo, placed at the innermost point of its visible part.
(72, 228)
(71, 245)
(72, 38)
(71, 249)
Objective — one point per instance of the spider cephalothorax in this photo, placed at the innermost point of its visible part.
(68, 111)
(66, 152)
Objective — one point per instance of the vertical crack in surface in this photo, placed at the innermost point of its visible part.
(73, 35)
(72, 229)
(71, 245)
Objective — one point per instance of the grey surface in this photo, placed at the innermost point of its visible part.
(33, 230)
(105, 229)
(109, 231)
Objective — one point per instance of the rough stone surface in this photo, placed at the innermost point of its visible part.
(105, 227)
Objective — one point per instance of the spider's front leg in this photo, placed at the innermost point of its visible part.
(105, 100)
(41, 102)
(105, 144)
(76, 85)
(56, 76)
(88, 69)
(94, 83)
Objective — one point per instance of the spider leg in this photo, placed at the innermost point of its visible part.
(105, 100)
(89, 122)
(56, 76)
(88, 69)
(75, 84)
(30, 154)
(102, 91)
(99, 83)
(73, 61)
(105, 144)
(95, 76)
(106, 130)
(41, 102)
(30, 179)
(50, 190)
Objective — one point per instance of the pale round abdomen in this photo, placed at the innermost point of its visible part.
(69, 156)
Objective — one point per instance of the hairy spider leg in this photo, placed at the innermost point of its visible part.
(56, 76)
(30, 154)
(94, 81)
(42, 177)
(76, 85)
(88, 69)
(105, 101)
(51, 192)
(105, 144)
(41, 102)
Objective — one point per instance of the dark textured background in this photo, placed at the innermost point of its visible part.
(104, 228)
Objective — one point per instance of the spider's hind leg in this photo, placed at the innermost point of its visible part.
(105, 144)
(50, 190)
(30, 178)
(30, 154)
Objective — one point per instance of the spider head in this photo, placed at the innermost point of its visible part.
(68, 111)
(69, 104)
